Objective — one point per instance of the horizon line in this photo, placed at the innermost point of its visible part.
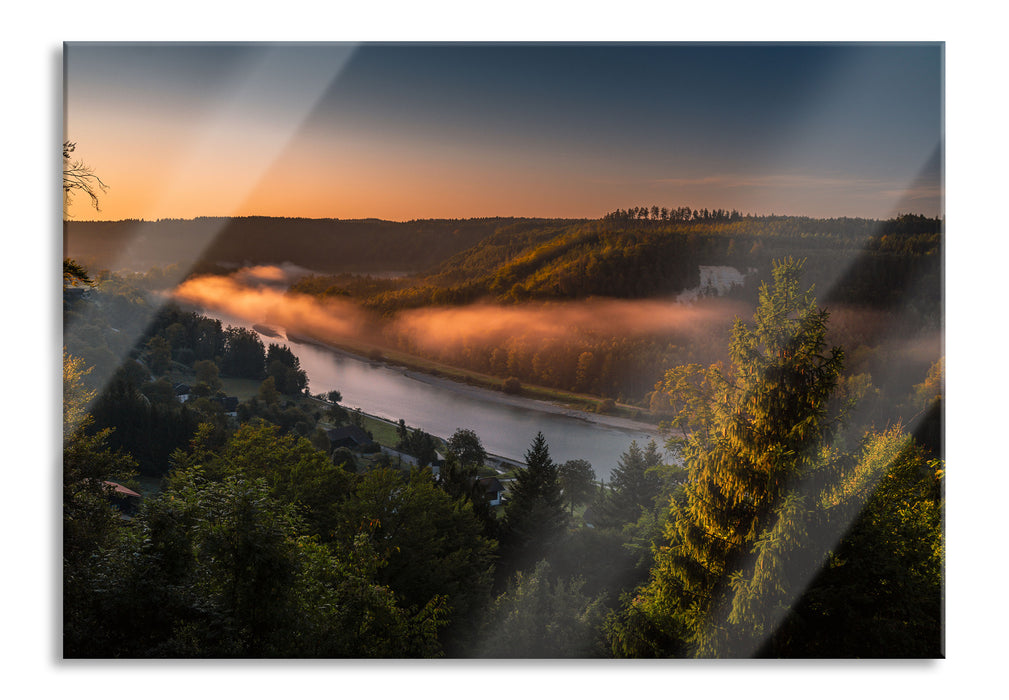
(744, 215)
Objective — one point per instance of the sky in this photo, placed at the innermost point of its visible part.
(420, 130)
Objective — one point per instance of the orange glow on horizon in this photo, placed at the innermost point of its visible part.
(185, 174)
(352, 183)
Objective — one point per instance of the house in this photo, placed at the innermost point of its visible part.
(228, 403)
(349, 436)
(403, 459)
(72, 294)
(400, 458)
(183, 392)
(125, 500)
(493, 489)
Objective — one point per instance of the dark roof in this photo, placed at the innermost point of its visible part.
(352, 432)
(491, 484)
(182, 389)
(228, 403)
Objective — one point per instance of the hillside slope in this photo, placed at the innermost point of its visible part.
(851, 260)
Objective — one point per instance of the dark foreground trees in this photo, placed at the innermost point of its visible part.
(541, 616)
(223, 569)
(879, 593)
(90, 523)
(431, 544)
(262, 547)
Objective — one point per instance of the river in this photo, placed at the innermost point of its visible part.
(506, 425)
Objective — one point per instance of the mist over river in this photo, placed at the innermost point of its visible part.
(506, 425)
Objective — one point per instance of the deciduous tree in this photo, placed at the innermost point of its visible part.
(268, 393)
(78, 176)
(432, 543)
(208, 375)
(244, 354)
(285, 367)
(466, 446)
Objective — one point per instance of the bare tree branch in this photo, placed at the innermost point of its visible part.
(78, 176)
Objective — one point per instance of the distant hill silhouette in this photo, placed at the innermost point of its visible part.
(324, 245)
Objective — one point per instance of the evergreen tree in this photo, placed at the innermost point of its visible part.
(756, 453)
(74, 274)
(535, 516)
(633, 488)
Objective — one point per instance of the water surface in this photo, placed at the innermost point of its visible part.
(505, 430)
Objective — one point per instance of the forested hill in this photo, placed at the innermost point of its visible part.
(629, 257)
(324, 245)
(633, 253)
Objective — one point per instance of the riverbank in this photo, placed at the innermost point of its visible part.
(385, 432)
(531, 403)
(581, 404)
(483, 393)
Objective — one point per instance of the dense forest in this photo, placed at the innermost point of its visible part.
(882, 279)
(795, 510)
(635, 258)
